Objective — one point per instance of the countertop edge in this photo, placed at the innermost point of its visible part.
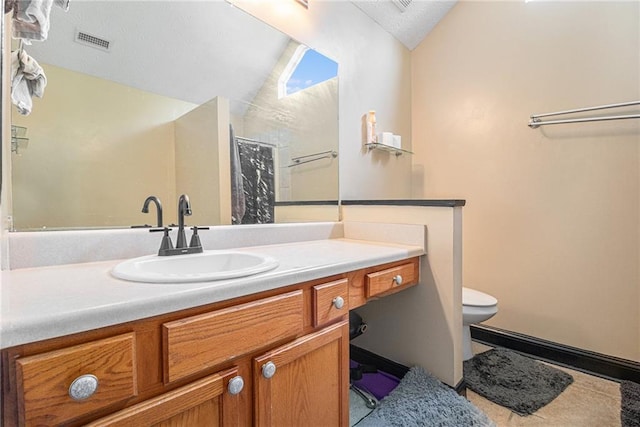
(446, 203)
(17, 331)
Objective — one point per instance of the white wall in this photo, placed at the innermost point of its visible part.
(5, 193)
(552, 221)
(374, 74)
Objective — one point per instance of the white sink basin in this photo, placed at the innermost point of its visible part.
(203, 267)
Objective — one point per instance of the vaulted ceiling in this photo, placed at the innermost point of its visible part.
(407, 20)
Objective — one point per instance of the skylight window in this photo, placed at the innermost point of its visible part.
(305, 69)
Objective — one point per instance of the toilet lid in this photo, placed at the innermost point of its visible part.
(477, 298)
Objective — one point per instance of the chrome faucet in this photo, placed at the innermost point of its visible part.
(145, 207)
(184, 208)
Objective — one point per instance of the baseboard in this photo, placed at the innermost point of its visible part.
(396, 369)
(461, 388)
(583, 360)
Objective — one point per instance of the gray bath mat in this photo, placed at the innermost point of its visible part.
(630, 404)
(357, 408)
(517, 382)
(422, 400)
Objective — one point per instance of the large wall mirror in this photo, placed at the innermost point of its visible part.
(163, 98)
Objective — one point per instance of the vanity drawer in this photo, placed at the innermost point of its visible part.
(45, 380)
(380, 282)
(200, 342)
(330, 301)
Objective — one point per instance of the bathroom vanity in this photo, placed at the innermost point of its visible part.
(271, 349)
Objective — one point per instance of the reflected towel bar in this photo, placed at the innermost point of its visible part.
(535, 121)
(323, 155)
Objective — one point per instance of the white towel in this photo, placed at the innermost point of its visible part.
(27, 80)
(62, 4)
(31, 19)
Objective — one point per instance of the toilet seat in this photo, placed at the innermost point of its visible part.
(473, 298)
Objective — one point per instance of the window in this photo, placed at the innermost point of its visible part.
(305, 69)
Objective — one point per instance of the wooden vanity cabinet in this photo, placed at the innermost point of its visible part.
(277, 358)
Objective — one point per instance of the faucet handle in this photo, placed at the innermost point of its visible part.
(195, 239)
(166, 243)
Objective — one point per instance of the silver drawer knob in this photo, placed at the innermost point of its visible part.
(338, 302)
(83, 387)
(236, 384)
(398, 280)
(268, 370)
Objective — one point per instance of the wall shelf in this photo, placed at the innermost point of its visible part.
(388, 148)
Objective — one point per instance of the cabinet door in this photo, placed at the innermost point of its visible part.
(211, 401)
(306, 382)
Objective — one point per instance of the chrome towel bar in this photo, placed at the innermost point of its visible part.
(534, 120)
(296, 161)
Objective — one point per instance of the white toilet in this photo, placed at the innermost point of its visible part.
(476, 307)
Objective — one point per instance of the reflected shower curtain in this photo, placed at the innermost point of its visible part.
(258, 180)
(238, 207)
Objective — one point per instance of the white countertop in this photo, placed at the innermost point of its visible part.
(47, 302)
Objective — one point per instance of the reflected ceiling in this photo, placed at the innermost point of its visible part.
(160, 58)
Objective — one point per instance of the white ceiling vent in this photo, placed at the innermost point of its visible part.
(95, 41)
(402, 4)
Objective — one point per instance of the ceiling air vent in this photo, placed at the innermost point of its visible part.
(94, 41)
(402, 4)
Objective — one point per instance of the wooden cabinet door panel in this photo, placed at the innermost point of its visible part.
(205, 402)
(310, 383)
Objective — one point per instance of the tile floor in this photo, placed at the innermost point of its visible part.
(589, 402)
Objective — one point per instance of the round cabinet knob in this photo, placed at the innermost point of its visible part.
(338, 302)
(398, 280)
(268, 370)
(236, 384)
(83, 387)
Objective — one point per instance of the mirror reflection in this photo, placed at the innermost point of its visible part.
(164, 98)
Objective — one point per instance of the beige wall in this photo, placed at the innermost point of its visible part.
(422, 325)
(202, 162)
(306, 213)
(92, 164)
(552, 221)
(374, 74)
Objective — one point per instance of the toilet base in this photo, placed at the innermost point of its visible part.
(467, 352)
